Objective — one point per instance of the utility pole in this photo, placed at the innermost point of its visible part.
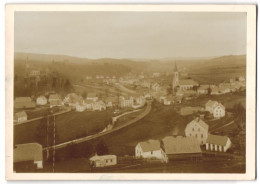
(53, 154)
(47, 137)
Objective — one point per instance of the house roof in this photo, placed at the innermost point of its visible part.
(179, 145)
(219, 104)
(150, 145)
(27, 104)
(217, 139)
(200, 122)
(20, 114)
(27, 152)
(23, 99)
(55, 102)
(42, 97)
(102, 157)
(187, 82)
(211, 103)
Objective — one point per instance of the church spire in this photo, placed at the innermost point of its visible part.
(175, 68)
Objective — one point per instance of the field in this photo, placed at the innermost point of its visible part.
(228, 100)
(68, 126)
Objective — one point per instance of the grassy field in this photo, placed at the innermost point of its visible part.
(228, 100)
(68, 126)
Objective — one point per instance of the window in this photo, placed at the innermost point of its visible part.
(196, 135)
(192, 129)
(198, 129)
(201, 135)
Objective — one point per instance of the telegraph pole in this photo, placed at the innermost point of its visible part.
(53, 154)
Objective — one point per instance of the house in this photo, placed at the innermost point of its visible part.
(89, 104)
(209, 106)
(73, 99)
(80, 107)
(140, 100)
(34, 73)
(203, 89)
(218, 143)
(199, 129)
(92, 96)
(126, 101)
(55, 100)
(219, 111)
(190, 110)
(24, 103)
(180, 147)
(150, 149)
(215, 108)
(111, 101)
(20, 117)
(99, 106)
(41, 100)
(103, 161)
(30, 152)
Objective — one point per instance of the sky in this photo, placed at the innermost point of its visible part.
(148, 35)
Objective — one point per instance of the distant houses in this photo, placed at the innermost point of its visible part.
(92, 96)
(28, 156)
(215, 108)
(103, 160)
(126, 101)
(218, 143)
(199, 129)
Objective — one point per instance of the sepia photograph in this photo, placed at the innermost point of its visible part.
(131, 91)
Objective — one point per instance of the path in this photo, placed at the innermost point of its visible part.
(87, 138)
(39, 118)
(230, 123)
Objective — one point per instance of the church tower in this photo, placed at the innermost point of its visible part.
(175, 81)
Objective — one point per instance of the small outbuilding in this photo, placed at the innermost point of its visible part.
(103, 160)
(20, 117)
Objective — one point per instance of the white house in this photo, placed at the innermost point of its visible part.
(80, 107)
(20, 117)
(198, 129)
(203, 89)
(218, 143)
(219, 111)
(99, 106)
(209, 106)
(126, 101)
(28, 152)
(215, 108)
(241, 78)
(150, 149)
(103, 161)
(89, 104)
(41, 100)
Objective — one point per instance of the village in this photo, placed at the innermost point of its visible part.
(128, 100)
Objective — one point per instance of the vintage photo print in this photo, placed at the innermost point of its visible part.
(130, 92)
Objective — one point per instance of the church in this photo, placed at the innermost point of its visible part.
(183, 84)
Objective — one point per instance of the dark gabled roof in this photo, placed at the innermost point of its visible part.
(217, 139)
(23, 99)
(180, 145)
(27, 152)
(150, 145)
